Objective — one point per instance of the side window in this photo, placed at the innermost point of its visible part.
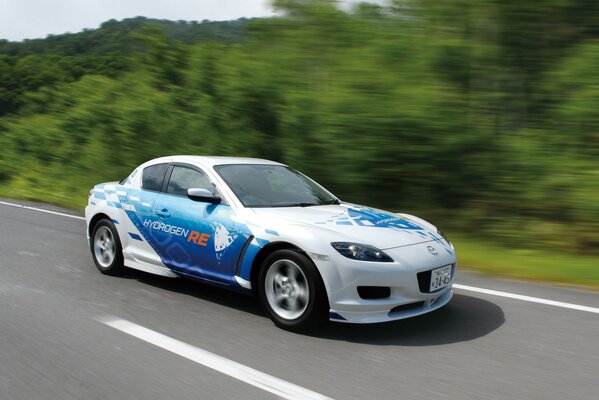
(184, 178)
(153, 176)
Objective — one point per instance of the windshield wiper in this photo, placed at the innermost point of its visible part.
(307, 204)
(304, 204)
(333, 201)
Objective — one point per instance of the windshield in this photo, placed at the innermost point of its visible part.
(258, 185)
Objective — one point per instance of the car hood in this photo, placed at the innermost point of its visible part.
(358, 224)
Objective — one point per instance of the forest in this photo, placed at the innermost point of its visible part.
(480, 115)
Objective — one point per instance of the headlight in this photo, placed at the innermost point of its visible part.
(361, 252)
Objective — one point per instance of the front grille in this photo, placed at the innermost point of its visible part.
(374, 292)
(405, 307)
(424, 280)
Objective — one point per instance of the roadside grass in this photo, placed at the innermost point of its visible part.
(528, 264)
(475, 255)
(60, 195)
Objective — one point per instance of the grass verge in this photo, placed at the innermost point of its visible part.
(538, 265)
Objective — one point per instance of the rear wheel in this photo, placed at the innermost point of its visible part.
(291, 291)
(106, 248)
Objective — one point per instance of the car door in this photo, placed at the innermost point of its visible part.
(196, 238)
(138, 205)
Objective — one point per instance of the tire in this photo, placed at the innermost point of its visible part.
(106, 248)
(291, 291)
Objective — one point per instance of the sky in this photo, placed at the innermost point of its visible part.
(30, 19)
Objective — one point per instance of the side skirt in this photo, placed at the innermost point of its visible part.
(150, 268)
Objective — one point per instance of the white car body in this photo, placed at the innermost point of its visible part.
(229, 239)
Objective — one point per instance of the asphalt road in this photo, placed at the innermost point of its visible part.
(480, 346)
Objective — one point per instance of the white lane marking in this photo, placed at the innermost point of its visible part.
(527, 298)
(41, 210)
(455, 285)
(238, 371)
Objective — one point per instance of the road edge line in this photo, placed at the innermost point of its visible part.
(527, 298)
(41, 210)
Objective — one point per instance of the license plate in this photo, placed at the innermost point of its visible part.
(440, 277)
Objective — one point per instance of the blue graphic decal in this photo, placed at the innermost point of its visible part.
(114, 221)
(135, 236)
(248, 259)
(371, 217)
(436, 238)
(368, 217)
(334, 315)
(344, 223)
(197, 239)
(271, 232)
(114, 204)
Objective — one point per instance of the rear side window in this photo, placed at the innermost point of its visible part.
(153, 176)
(184, 178)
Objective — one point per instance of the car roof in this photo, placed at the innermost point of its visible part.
(210, 161)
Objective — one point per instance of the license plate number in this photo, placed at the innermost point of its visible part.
(440, 277)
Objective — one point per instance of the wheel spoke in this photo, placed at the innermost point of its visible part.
(301, 302)
(293, 304)
(302, 294)
(279, 298)
(286, 289)
(296, 274)
(287, 269)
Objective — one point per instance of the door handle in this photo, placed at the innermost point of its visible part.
(163, 213)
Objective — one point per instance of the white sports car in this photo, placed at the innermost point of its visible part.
(261, 227)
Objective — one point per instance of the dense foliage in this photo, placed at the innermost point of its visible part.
(30, 64)
(478, 114)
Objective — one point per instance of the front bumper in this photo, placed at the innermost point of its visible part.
(411, 310)
(342, 276)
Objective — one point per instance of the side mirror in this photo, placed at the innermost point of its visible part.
(203, 195)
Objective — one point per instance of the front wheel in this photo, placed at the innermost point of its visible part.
(291, 291)
(106, 248)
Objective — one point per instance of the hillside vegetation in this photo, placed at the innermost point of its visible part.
(477, 114)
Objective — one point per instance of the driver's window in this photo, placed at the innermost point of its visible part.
(183, 178)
